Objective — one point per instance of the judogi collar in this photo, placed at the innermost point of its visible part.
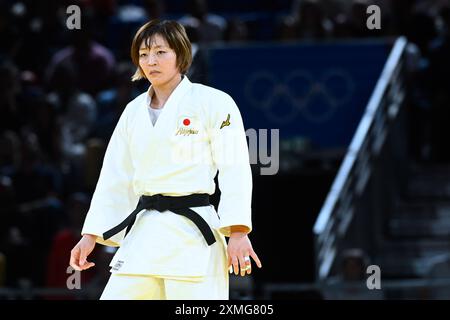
(180, 89)
(169, 108)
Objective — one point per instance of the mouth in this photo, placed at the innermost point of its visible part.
(153, 73)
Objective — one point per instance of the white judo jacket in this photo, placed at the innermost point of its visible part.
(199, 132)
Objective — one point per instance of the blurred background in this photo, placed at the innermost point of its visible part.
(364, 165)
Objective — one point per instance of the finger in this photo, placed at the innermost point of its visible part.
(87, 265)
(248, 264)
(247, 259)
(243, 265)
(230, 267)
(235, 265)
(74, 259)
(74, 266)
(255, 257)
(83, 257)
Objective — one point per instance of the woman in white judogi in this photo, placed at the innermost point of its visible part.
(171, 141)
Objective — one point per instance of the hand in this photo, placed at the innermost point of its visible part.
(81, 251)
(239, 252)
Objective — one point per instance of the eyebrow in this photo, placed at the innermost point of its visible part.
(153, 47)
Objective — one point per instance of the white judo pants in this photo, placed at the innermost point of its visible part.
(213, 286)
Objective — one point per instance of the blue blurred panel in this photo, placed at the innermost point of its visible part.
(121, 32)
(240, 6)
(230, 6)
(176, 6)
(318, 91)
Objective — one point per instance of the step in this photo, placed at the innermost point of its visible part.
(408, 267)
(431, 181)
(428, 188)
(429, 169)
(421, 247)
(419, 227)
(422, 208)
(410, 258)
(420, 218)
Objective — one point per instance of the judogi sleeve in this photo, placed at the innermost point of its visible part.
(230, 154)
(113, 198)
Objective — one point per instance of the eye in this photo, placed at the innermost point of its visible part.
(160, 52)
(142, 55)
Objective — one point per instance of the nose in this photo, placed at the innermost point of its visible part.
(151, 59)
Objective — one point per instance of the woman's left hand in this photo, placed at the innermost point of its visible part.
(239, 252)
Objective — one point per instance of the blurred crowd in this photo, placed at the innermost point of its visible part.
(62, 91)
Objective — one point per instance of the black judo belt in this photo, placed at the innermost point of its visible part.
(178, 205)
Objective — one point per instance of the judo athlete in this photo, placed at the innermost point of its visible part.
(152, 196)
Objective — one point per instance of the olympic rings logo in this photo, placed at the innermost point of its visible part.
(298, 88)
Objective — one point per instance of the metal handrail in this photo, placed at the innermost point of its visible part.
(338, 210)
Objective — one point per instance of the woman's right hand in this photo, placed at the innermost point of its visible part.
(81, 251)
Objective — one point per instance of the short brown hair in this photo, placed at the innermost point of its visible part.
(176, 37)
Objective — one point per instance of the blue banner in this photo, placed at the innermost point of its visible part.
(317, 91)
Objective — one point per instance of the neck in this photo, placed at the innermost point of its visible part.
(162, 92)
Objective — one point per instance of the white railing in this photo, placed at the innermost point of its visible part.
(338, 209)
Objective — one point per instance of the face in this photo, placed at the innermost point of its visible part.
(159, 62)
